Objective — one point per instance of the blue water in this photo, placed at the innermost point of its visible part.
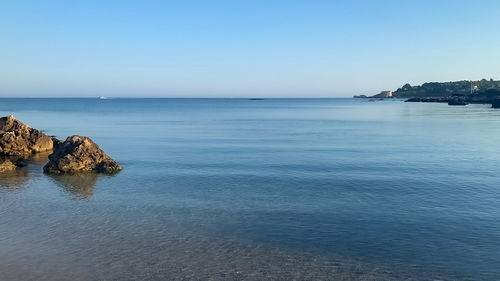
(242, 189)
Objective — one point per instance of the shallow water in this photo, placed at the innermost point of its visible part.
(279, 188)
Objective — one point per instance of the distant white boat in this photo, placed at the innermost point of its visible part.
(103, 98)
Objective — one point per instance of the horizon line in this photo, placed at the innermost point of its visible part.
(160, 97)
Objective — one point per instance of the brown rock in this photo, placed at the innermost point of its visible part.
(80, 154)
(57, 142)
(7, 166)
(18, 139)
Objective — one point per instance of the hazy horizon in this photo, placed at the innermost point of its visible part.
(220, 49)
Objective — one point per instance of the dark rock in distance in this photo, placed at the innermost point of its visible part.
(496, 103)
(457, 102)
(18, 139)
(80, 154)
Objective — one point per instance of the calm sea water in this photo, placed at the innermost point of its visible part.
(232, 189)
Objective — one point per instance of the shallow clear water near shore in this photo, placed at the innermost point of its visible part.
(248, 189)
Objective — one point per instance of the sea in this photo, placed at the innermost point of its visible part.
(273, 189)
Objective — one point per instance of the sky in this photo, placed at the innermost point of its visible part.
(242, 48)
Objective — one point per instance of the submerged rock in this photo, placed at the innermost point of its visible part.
(18, 139)
(80, 154)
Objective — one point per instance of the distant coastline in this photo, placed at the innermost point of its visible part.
(454, 93)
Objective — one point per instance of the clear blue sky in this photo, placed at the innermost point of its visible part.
(242, 48)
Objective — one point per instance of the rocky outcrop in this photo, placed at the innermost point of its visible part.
(18, 139)
(431, 99)
(19, 142)
(7, 166)
(80, 154)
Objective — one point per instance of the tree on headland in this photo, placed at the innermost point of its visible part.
(443, 89)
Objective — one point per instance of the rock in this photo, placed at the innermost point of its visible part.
(457, 102)
(430, 99)
(496, 103)
(57, 142)
(18, 139)
(414, 100)
(7, 166)
(80, 154)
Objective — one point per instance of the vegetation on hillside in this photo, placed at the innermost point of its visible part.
(446, 89)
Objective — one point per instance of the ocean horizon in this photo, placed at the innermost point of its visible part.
(240, 189)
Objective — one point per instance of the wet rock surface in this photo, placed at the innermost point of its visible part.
(18, 139)
(80, 154)
(7, 165)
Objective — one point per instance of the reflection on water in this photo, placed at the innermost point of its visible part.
(14, 179)
(40, 158)
(19, 178)
(80, 185)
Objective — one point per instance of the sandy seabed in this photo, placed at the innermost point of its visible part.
(183, 259)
